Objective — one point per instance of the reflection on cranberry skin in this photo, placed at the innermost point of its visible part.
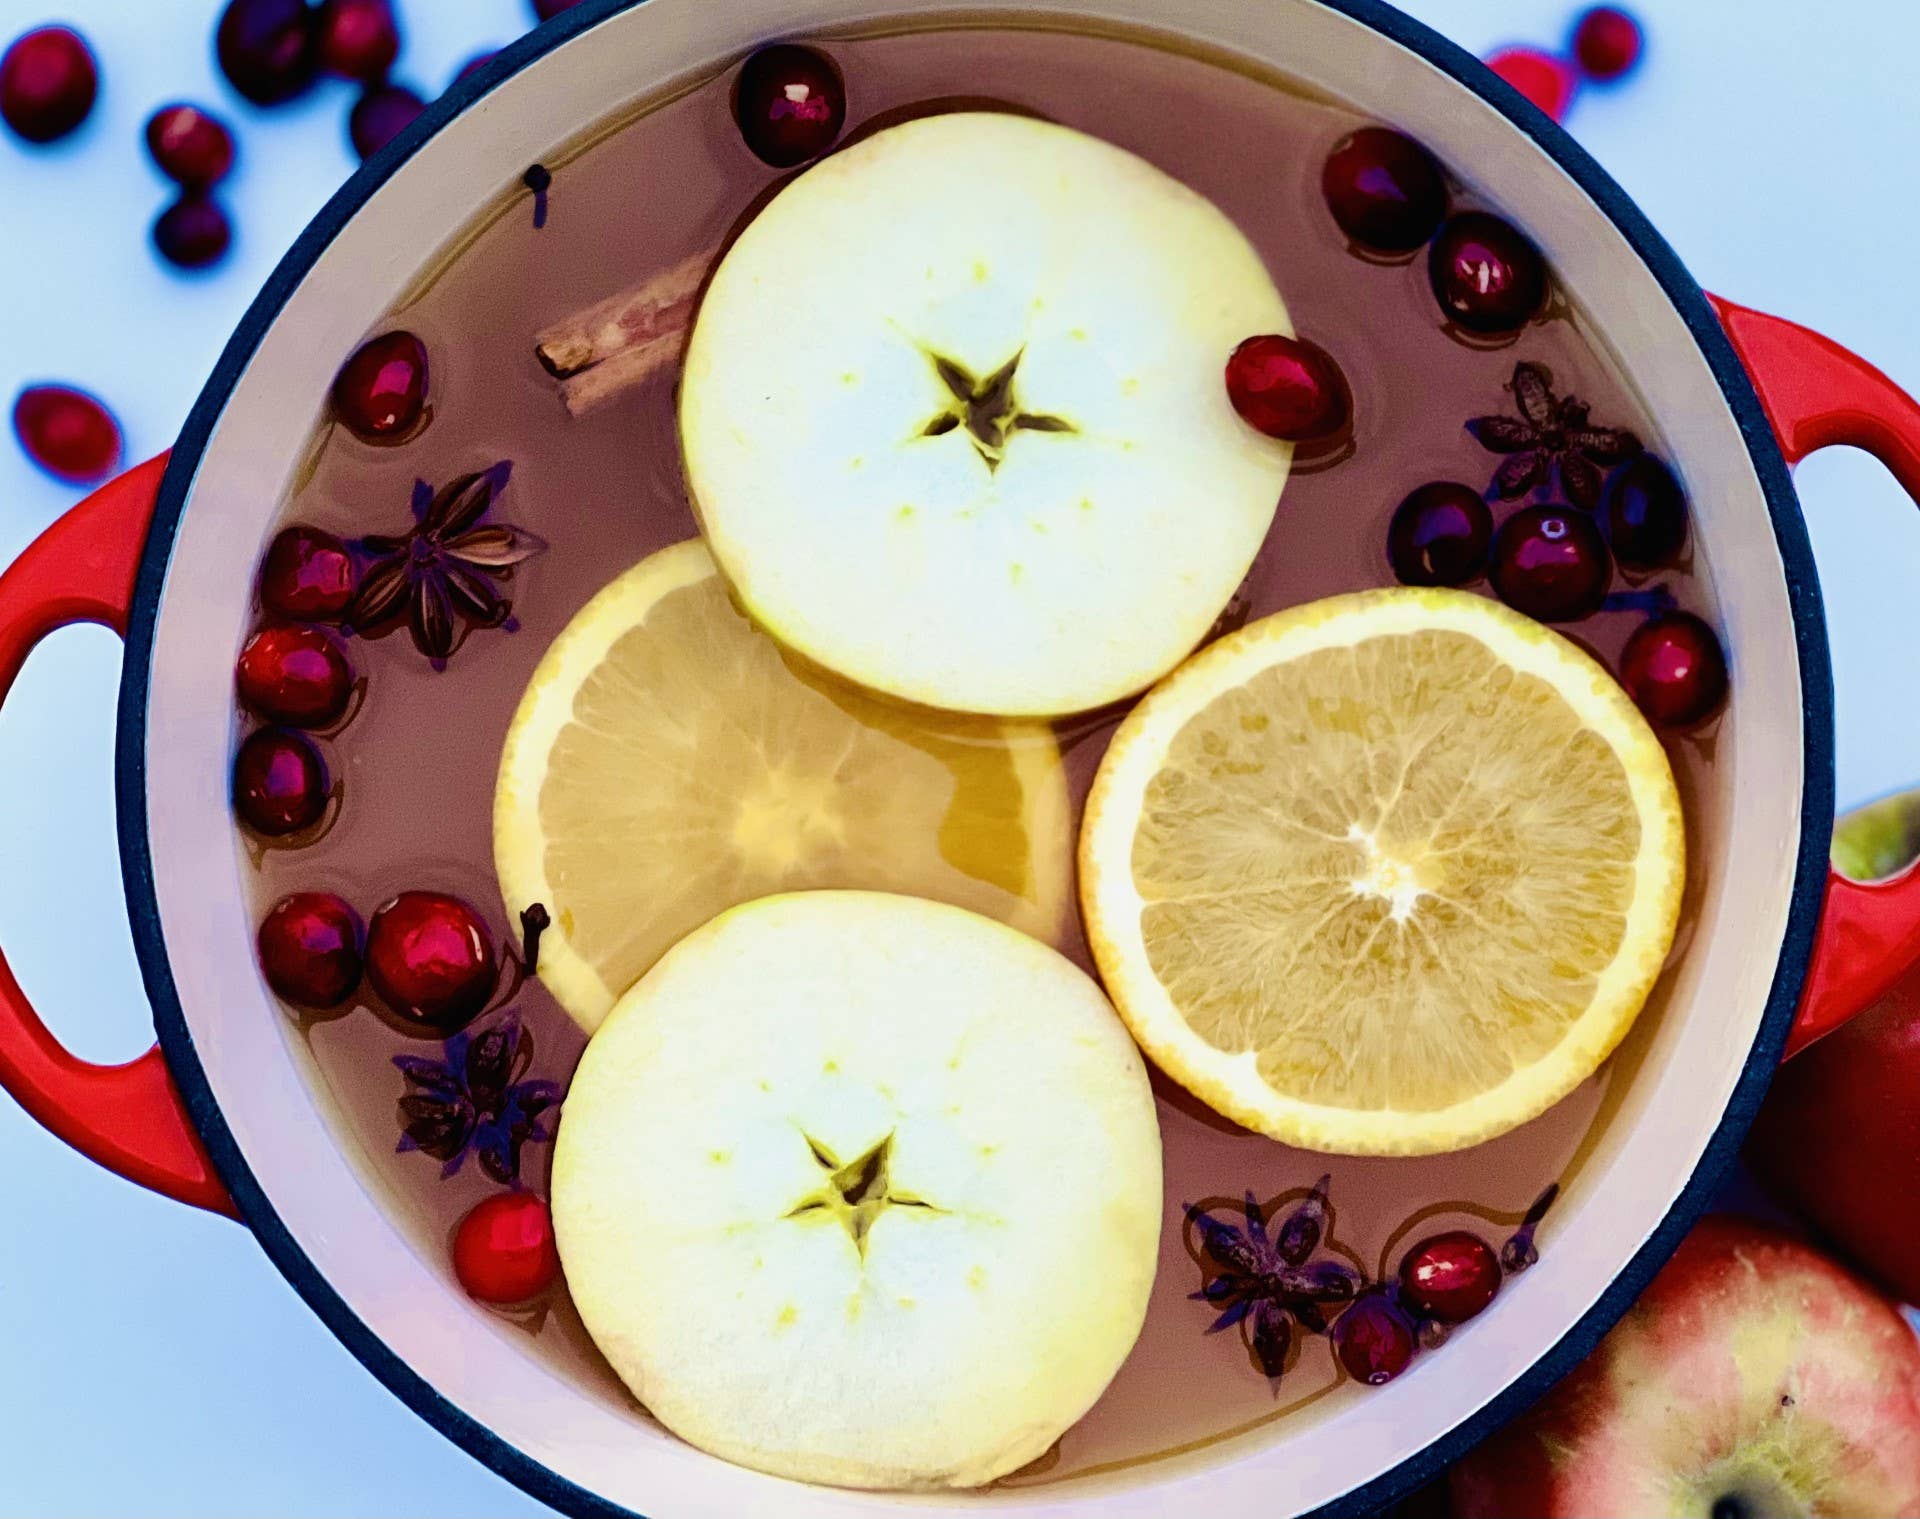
(381, 391)
(1286, 388)
(1674, 669)
(1488, 278)
(1551, 563)
(309, 945)
(279, 782)
(790, 104)
(431, 959)
(1439, 535)
(1385, 191)
(48, 83)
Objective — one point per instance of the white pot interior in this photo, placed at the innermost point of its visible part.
(1745, 831)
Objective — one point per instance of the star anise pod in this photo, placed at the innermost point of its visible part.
(1550, 432)
(443, 575)
(475, 1099)
(1268, 1284)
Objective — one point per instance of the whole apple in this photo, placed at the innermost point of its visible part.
(1754, 1379)
(1838, 1139)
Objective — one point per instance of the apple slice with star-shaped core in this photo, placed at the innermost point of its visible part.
(861, 1189)
(955, 421)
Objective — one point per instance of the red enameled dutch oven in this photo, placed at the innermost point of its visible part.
(220, 1114)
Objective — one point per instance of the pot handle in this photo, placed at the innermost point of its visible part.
(130, 1118)
(1817, 394)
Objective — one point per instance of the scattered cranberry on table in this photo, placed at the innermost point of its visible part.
(503, 1251)
(67, 433)
(48, 83)
(279, 782)
(1385, 191)
(267, 50)
(1547, 81)
(475, 64)
(546, 10)
(1674, 669)
(1439, 535)
(358, 39)
(1645, 514)
(790, 104)
(1606, 42)
(1488, 278)
(309, 946)
(1450, 1277)
(1287, 388)
(381, 391)
(308, 575)
(193, 148)
(294, 675)
(381, 114)
(1551, 563)
(1375, 1339)
(431, 959)
(193, 232)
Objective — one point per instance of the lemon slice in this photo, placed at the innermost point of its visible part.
(1387, 874)
(668, 761)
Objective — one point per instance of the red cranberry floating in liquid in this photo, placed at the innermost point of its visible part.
(279, 782)
(309, 947)
(1544, 79)
(1487, 277)
(1450, 1277)
(47, 83)
(192, 148)
(1439, 535)
(294, 675)
(266, 48)
(1385, 190)
(1674, 669)
(308, 575)
(1551, 563)
(1374, 1339)
(790, 104)
(431, 959)
(1645, 513)
(381, 114)
(193, 232)
(67, 433)
(358, 39)
(1607, 42)
(1286, 388)
(381, 392)
(503, 1251)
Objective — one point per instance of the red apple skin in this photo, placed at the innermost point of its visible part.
(1753, 1367)
(1838, 1139)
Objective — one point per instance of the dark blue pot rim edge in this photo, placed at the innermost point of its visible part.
(541, 1482)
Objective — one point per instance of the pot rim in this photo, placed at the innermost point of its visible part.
(1811, 855)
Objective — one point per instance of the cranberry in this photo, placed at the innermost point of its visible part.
(790, 104)
(381, 114)
(1439, 535)
(381, 392)
(1645, 513)
(1487, 277)
(475, 64)
(47, 83)
(1287, 388)
(546, 10)
(503, 1251)
(358, 39)
(67, 433)
(1607, 42)
(1544, 79)
(1551, 563)
(192, 148)
(1384, 190)
(308, 575)
(266, 48)
(1450, 1277)
(279, 782)
(294, 675)
(1674, 669)
(310, 949)
(1374, 1339)
(431, 959)
(193, 232)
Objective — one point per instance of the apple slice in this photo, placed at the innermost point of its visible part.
(955, 419)
(861, 1189)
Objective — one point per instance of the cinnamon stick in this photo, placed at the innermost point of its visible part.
(622, 342)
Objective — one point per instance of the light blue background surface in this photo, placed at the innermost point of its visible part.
(151, 1361)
